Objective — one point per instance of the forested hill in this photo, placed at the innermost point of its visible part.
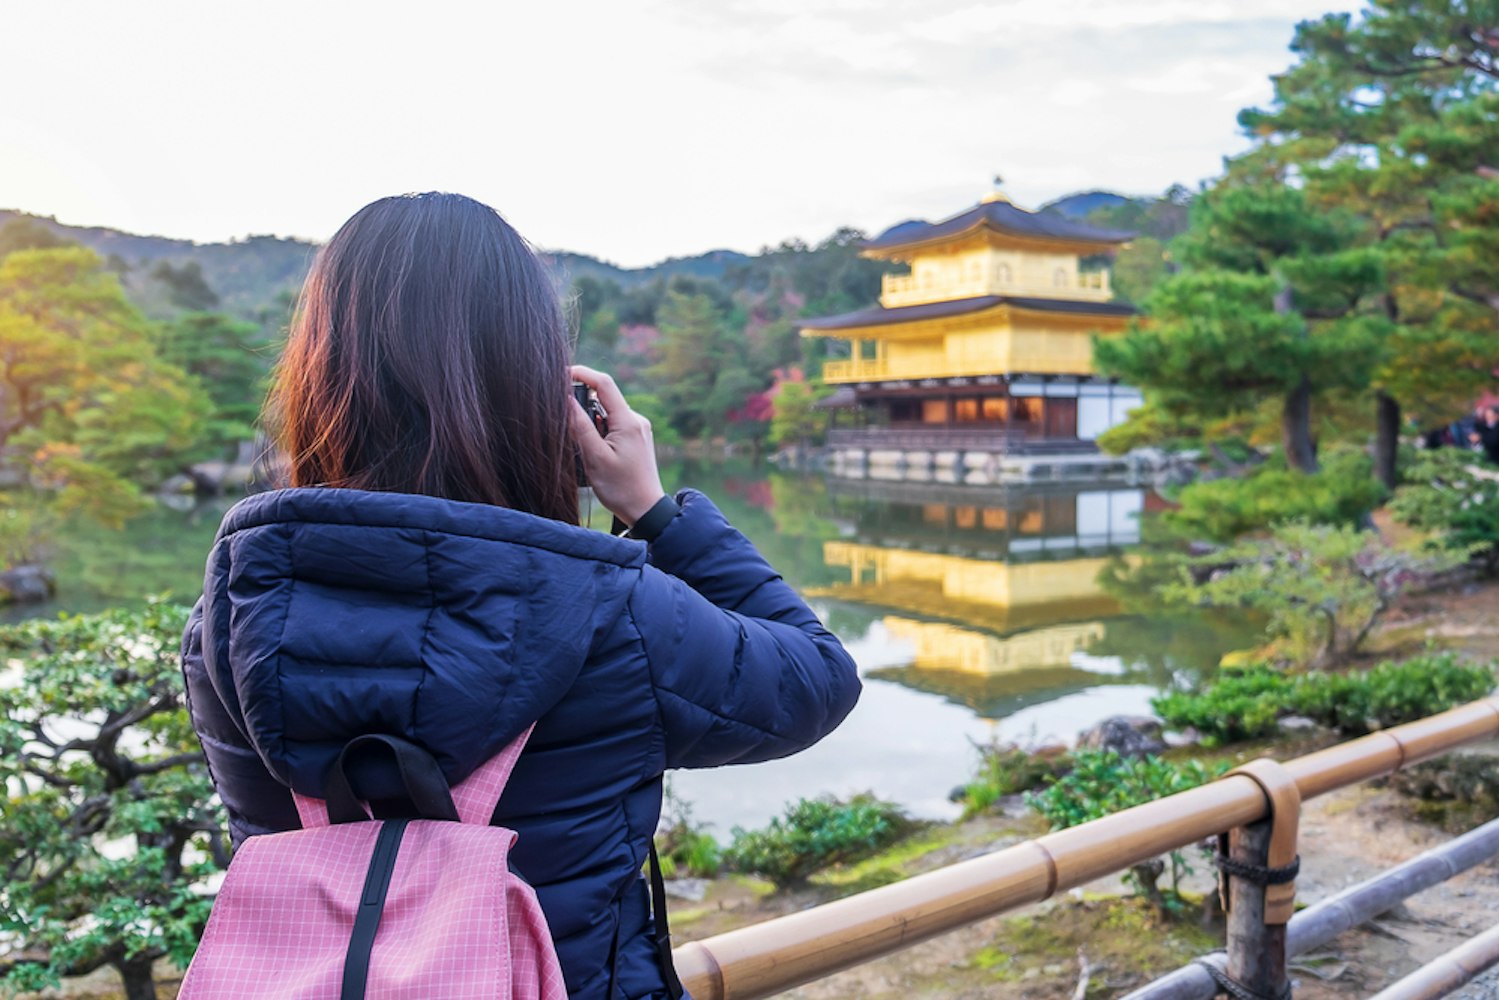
(256, 277)
(712, 264)
(249, 276)
(702, 344)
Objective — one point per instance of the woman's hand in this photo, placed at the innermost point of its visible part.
(621, 465)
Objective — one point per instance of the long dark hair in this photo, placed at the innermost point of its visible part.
(429, 355)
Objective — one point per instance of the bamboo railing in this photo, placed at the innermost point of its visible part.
(1447, 972)
(777, 955)
(1318, 924)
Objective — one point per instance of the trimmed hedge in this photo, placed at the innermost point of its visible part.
(1249, 703)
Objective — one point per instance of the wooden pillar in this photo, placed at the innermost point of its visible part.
(1256, 950)
(1009, 416)
(1259, 908)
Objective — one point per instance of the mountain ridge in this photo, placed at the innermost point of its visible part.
(257, 273)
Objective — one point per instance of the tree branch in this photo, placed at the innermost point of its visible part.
(165, 764)
(1489, 299)
(46, 776)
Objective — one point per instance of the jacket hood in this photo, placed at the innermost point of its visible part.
(330, 613)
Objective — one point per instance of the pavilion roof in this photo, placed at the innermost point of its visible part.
(1001, 216)
(880, 316)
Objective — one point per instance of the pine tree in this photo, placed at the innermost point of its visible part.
(1393, 116)
(1272, 302)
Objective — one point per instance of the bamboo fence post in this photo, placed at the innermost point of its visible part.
(1321, 922)
(1256, 949)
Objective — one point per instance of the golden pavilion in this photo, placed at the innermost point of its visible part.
(982, 350)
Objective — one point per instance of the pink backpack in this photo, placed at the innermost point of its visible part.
(384, 909)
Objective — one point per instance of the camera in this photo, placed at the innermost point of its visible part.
(590, 403)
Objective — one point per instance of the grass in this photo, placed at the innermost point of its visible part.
(894, 860)
(1123, 938)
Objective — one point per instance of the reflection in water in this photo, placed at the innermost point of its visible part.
(999, 591)
(961, 650)
(1001, 597)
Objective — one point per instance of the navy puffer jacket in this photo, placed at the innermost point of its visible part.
(329, 613)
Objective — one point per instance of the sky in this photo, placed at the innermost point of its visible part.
(631, 130)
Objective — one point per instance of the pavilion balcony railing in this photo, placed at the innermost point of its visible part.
(993, 438)
(911, 289)
(884, 370)
(1259, 807)
(912, 439)
(938, 439)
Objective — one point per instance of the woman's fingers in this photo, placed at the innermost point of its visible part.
(600, 382)
(584, 432)
(622, 466)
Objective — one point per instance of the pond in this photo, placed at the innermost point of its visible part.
(975, 614)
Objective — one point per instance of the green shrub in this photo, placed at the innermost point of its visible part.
(1247, 704)
(684, 846)
(1391, 694)
(1222, 510)
(816, 834)
(1102, 783)
(1005, 769)
(1445, 493)
(1240, 705)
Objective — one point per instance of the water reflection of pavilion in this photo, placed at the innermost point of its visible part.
(996, 592)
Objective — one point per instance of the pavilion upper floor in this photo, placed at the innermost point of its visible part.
(996, 248)
(984, 335)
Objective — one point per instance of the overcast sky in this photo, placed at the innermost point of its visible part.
(628, 129)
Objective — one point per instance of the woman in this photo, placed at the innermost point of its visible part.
(425, 576)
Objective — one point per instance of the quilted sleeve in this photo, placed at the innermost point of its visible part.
(255, 801)
(741, 667)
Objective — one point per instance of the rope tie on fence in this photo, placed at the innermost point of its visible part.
(1283, 804)
(1257, 874)
(1233, 988)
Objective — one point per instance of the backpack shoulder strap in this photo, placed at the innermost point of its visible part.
(674, 987)
(477, 795)
(474, 798)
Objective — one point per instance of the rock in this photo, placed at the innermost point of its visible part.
(1298, 724)
(180, 502)
(1174, 474)
(216, 478)
(694, 890)
(176, 486)
(1186, 738)
(1126, 735)
(1014, 806)
(27, 583)
(1152, 458)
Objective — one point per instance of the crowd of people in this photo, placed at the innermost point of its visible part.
(1476, 432)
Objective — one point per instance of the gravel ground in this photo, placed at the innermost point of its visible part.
(1485, 987)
